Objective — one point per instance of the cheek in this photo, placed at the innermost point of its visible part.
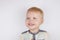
(38, 22)
(41, 21)
(26, 22)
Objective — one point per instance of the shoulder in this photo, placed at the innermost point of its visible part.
(24, 32)
(43, 31)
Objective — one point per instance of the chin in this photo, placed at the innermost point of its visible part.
(31, 28)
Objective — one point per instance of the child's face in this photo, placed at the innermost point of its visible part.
(33, 20)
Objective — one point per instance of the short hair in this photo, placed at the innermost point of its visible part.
(35, 9)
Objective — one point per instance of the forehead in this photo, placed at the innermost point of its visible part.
(33, 13)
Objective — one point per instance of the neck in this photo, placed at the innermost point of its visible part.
(34, 30)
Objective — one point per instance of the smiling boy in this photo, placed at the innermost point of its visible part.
(34, 18)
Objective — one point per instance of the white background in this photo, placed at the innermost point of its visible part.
(12, 17)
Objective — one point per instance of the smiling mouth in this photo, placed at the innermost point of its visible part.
(31, 24)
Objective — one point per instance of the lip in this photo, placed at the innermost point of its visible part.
(31, 24)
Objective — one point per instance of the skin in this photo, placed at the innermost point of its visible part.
(33, 21)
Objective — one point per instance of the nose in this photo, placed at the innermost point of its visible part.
(31, 20)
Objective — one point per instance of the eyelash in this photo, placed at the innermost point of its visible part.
(28, 18)
(33, 18)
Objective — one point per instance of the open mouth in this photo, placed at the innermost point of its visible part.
(31, 24)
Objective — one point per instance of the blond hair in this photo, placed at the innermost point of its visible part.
(35, 9)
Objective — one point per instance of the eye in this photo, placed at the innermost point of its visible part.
(34, 18)
(27, 18)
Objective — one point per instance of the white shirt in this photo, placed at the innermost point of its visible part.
(40, 35)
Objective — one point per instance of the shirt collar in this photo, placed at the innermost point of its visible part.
(33, 33)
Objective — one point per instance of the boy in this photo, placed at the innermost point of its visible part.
(34, 18)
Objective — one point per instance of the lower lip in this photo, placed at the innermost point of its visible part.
(31, 24)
